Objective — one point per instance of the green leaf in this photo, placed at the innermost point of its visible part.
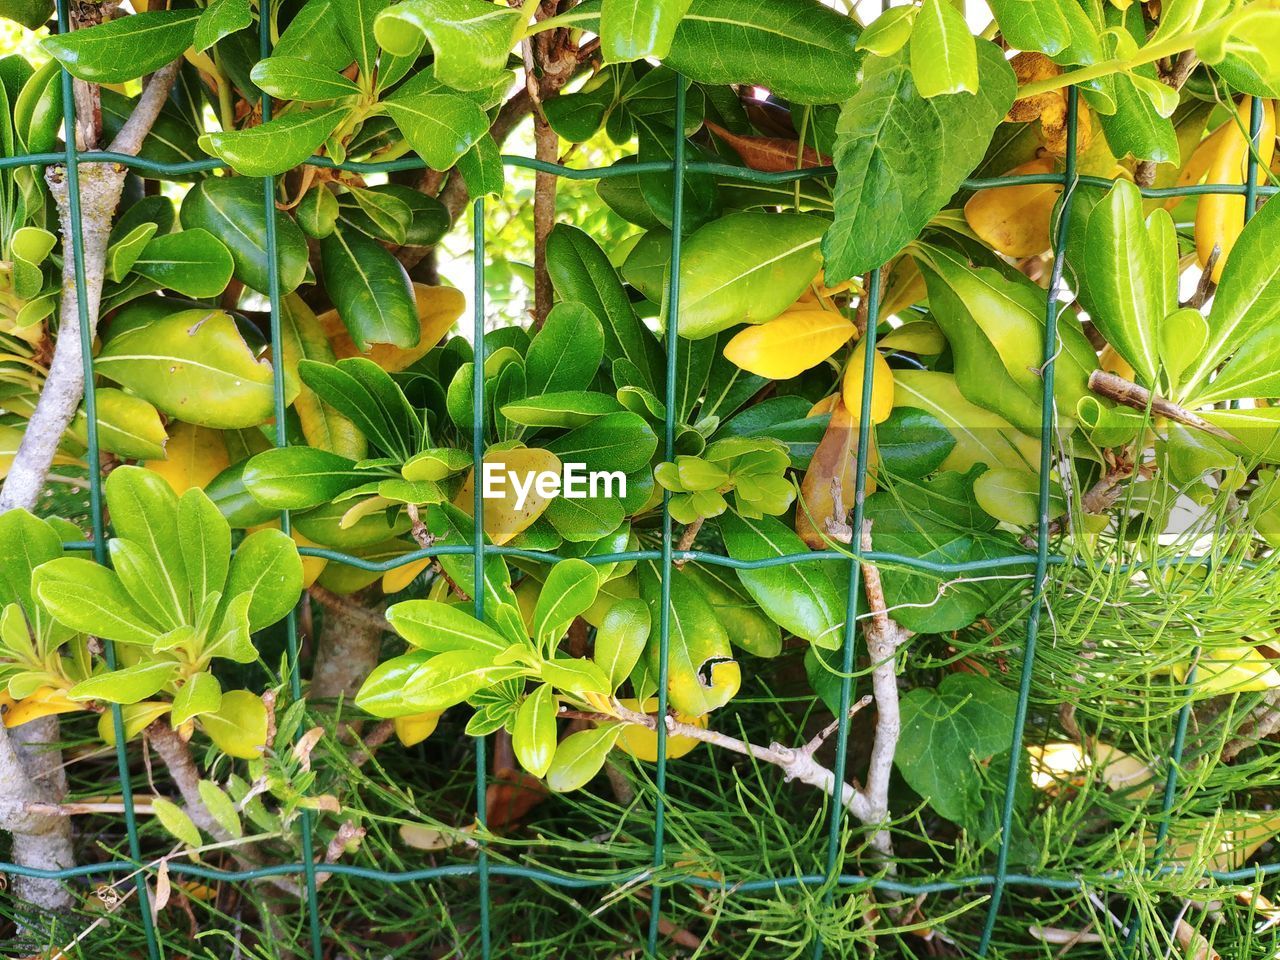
(807, 599)
(440, 125)
(127, 425)
(144, 510)
(220, 806)
(582, 273)
(890, 31)
(317, 212)
(267, 567)
(292, 78)
(234, 210)
(944, 58)
(370, 290)
(481, 168)
(533, 738)
(364, 392)
(746, 267)
(635, 29)
(201, 694)
(912, 443)
(355, 23)
(219, 19)
(277, 145)
(576, 677)
(1034, 24)
(1013, 496)
(127, 685)
(566, 352)
(994, 322)
(174, 819)
(1123, 281)
(569, 590)
(900, 157)
(614, 442)
(746, 624)
(193, 365)
(1248, 297)
(800, 50)
(442, 627)
(382, 216)
(449, 524)
(449, 678)
(580, 757)
(314, 34)
(944, 731)
(192, 262)
(568, 408)
(144, 579)
(122, 253)
(125, 48)
(701, 672)
(239, 726)
(470, 38)
(29, 542)
(302, 338)
(383, 692)
(295, 478)
(982, 437)
(621, 639)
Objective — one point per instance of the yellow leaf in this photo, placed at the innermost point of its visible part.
(1229, 839)
(836, 458)
(397, 578)
(194, 455)
(1053, 763)
(882, 386)
(642, 743)
(417, 727)
(790, 344)
(502, 518)
(1231, 669)
(825, 405)
(438, 309)
(45, 702)
(1015, 220)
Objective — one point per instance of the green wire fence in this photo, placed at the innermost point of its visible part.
(994, 884)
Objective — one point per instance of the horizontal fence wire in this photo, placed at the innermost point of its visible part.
(1035, 563)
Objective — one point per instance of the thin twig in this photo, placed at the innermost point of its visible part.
(1138, 397)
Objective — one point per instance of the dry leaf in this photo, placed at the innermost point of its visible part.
(769, 154)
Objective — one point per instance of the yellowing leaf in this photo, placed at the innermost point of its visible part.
(194, 455)
(1053, 763)
(834, 460)
(882, 386)
(1231, 669)
(45, 702)
(502, 518)
(642, 743)
(790, 344)
(417, 727)
(1015, 220)
(1229, 839)
(438, 309)
(397, 578)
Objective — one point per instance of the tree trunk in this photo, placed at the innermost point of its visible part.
(31, 772)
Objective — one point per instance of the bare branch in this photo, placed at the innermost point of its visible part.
(1140, 398)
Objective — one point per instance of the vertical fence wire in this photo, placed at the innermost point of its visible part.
(1178, 746)
(1042, 521)
(872, 293)
(154, 951)
(477, 544)
(669, 444)
(305, 826)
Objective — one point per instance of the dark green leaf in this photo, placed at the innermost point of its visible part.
(370, 289)
(126, 48)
